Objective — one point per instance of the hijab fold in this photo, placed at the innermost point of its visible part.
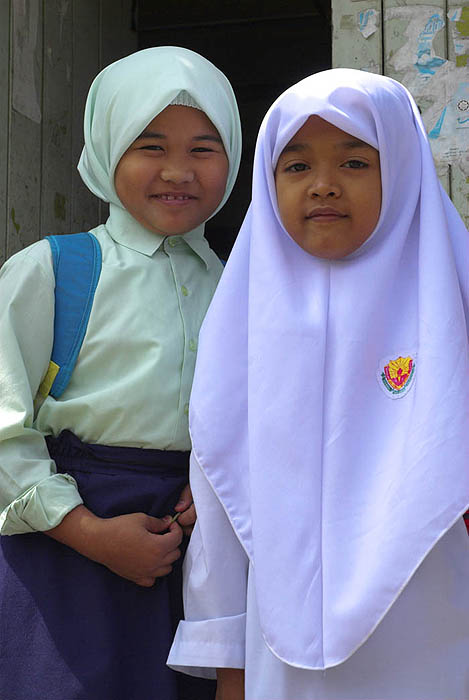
(330, 404)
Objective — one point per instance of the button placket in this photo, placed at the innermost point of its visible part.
(187, 308)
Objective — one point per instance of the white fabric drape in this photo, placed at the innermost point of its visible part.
(317, 463)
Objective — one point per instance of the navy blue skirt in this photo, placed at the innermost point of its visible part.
(70, 629)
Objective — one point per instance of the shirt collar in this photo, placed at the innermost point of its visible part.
(126, 231)
(198, 243)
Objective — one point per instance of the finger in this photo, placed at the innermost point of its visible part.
(188, 517)
(171, 539)
(145, 581)
(185, 499)
(157, 525)
(175, 532)
(164, 560)
(171, 557)
(163, 571)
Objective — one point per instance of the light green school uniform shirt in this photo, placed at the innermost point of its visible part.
(133, 377)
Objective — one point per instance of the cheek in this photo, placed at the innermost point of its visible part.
(280, 201)
(215, 180)
(376, 198)
(375, 208)
(366, 200)
(131, 176)
(285, 207)
(123, 179)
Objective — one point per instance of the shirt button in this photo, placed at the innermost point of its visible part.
(173, 241)
(186, 409)
(192, 345)
(184, 290)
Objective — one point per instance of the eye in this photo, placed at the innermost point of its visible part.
(355, 164)
(296, 168)
(202, 149)
(150, 147)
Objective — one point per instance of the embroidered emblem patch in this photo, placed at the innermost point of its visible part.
(396, 375)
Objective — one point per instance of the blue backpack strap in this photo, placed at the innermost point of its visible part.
(77, 266)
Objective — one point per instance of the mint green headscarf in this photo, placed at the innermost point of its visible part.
(129, 93)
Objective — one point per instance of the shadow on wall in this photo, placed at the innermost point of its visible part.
(262, 50)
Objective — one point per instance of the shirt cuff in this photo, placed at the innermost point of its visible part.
(200, 647)
(42, 507)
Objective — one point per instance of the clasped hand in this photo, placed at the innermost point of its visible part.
(142, 548)
(136, 546)
(139, 547)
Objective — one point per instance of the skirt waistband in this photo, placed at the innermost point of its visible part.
(70, 452)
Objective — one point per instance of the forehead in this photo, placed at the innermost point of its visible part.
(176, 117)
(316, 131)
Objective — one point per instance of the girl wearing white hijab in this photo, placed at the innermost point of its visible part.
(100, 467)
(330, 463)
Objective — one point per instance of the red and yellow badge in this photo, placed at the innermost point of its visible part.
(396, 375)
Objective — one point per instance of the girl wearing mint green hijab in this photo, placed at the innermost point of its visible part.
(89, 482)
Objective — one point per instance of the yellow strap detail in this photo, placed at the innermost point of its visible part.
(48, 380)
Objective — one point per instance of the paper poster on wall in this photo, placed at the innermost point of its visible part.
(459, 29)
(439, 86)
(368, 21)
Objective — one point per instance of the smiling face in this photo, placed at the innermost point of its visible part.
(173, 176)
(328, 189)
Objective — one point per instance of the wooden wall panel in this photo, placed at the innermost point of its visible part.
(50, 50)
(117, 40)
(25, 148)
(86, 42)
(57, 118)
(5, 27)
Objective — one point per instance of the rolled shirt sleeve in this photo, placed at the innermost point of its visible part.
(32, 495)
(212, 635)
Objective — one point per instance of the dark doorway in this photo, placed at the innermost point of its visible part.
(263, 47)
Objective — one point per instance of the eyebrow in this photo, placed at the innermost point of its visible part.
(156, 135)
(298, 147)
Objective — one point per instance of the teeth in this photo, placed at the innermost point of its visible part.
(172, 197)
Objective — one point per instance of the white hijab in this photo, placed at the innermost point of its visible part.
(337, 481)
(128, 94)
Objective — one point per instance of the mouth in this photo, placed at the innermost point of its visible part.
(325, 214)
(173, 198)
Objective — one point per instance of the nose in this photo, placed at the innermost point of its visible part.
(323, 185)
(178, 172)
